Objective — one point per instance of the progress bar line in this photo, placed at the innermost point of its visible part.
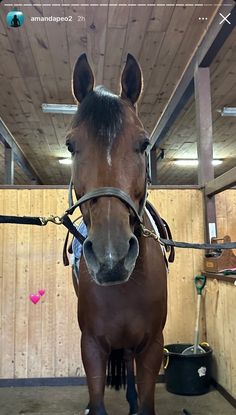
(113, 5)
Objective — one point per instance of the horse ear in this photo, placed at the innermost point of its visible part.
(131, 80)
(83, 79)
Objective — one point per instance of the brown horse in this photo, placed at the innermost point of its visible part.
(122, 275)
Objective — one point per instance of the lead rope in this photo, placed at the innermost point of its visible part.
(65, 220)
(147, 233)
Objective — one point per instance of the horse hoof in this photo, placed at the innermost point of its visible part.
(86, 412)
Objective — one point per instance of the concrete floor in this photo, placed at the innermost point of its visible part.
(73, 400)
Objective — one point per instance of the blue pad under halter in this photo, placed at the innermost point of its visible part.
(77, 247)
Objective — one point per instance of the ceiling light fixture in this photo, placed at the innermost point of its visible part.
(227, 111)
(217, 162)
(194, 162)
(59, 108)
(65, 161)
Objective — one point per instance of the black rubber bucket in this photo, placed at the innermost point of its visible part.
(187, 374)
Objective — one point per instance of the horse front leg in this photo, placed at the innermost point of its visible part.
(148, 365)
(131, 394)
(94, 360)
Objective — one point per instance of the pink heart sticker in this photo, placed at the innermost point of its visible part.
(41, 292)
(34, 298)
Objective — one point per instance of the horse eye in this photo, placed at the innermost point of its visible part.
(69, 146)
(144, 145)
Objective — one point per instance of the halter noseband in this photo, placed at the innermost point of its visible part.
(107, 192)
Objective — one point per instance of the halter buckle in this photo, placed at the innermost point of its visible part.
(57, 220)
(147, 233)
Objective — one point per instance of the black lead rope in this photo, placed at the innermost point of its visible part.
(170, 242)
(22, 220)
(65, 220)
(42, 221)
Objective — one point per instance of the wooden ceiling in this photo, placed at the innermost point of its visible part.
(36, 63)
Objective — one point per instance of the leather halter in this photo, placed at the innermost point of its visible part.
(112, 192)
(108, 192)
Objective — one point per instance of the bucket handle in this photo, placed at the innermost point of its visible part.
(204, 344)
(167, 358)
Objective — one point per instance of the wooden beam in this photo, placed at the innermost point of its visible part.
(210, 218)
(202, 87)
(9, 166)
(203, 56)
(221, 183)
(8, 140)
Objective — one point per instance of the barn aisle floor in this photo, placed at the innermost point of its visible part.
(72, 401)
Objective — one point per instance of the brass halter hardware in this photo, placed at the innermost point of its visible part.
(57, 220)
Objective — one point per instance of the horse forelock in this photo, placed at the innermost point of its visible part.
(103, 114)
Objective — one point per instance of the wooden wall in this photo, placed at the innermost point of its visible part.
(220, 299)
(183, 210)
(42, 340)
(36, 340)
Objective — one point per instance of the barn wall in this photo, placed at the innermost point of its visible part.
(43, 340)
(220, 303)
(183, 210)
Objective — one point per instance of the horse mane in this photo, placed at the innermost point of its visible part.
(103, 112)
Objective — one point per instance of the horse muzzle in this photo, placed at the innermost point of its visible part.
(111, 265)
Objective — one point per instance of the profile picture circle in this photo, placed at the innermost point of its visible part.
(15, 18)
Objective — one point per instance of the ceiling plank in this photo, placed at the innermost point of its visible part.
(173, 72)
(96, 38)
(19, 47)
(171, 44)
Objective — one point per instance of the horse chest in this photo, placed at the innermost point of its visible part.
(118, 322)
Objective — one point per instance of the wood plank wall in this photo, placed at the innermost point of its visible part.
(36, 340)
(220, 302)
(42, 340)
(183, 211)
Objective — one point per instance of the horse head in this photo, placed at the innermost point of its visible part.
(108, 145)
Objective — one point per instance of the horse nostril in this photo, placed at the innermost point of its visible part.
(111, 265)
(132, 253)
(90, 256)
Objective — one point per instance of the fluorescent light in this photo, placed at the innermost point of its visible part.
(65, 161)
(59, 108)
(227, 112)
(187, 163)
(194, 162)
(216, 162)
